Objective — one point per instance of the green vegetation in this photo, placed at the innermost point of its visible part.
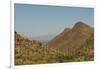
(42, 54)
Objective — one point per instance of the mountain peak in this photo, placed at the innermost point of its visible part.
(81, 24)
(67, 29)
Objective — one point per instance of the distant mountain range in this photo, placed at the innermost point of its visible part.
(44, 38)
(73, 44)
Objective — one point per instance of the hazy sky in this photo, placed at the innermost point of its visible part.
(37, 20)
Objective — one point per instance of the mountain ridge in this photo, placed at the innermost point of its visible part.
(71, 45)
(72, 39)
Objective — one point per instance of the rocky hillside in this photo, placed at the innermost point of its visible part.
(72, 40)
(33, 52)
(73, 44)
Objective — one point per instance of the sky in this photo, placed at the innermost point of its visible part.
(37, 20)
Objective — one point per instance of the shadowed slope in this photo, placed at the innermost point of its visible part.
(73, 39)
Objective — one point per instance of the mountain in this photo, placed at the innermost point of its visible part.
(44, 38)
(71, 40)
(71, 45)
(33, 52)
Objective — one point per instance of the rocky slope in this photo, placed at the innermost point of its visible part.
(73, 44)
(71, 40)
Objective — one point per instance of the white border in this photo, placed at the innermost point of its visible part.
(73, 65)
(12, 65)
(76, 3)
(4, 34)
